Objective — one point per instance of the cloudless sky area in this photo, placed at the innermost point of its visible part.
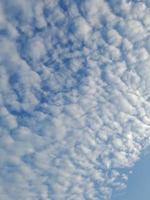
(138, 183)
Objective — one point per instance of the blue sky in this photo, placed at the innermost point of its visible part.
(138, 183)
(74, 99)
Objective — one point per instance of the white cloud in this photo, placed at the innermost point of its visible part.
(74, 97)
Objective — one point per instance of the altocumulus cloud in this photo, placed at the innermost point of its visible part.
(74, 96)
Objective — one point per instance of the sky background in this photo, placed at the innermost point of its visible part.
(74, 99)
(138, 182)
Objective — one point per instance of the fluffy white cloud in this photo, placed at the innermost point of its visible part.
(74, 97)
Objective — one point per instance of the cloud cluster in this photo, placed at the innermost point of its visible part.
(74, 96)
